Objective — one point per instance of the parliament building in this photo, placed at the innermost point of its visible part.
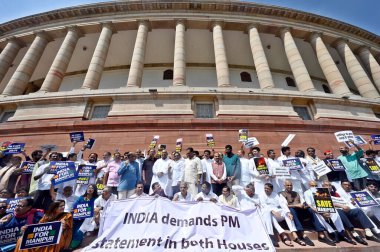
(124, 71)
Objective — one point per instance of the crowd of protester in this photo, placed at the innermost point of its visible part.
(223, 178)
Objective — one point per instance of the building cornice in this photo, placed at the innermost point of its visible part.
(236, 8)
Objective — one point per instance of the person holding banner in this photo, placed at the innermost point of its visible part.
(55, 213)
(101, 204)
(353, 168)
(183, 195)
(228, 199)
(294, 174)
(206, 194)
(43, 197)
(92, 160)
(322, 217)
(349, 212)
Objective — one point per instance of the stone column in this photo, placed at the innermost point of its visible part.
(356, 71)
(259, 58)
(296, 63)
(371, 64)
(58, 69)
(8, 55)
(19, 80)
(95, 69)
(330, 70)
(179, 72)
(222, 71)
(138, 57)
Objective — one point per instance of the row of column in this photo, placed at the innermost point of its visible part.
(56, 73)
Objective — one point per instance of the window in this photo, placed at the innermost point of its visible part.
(290, 82)
(168, 74)
(204, 110)
(245, 77)
(302, 112)
(100, 112)
(326, 89)
(6, 116)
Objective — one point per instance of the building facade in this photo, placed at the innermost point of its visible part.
(124, 71)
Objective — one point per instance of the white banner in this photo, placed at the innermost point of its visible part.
(343, 136)
(157, 224)
(321, 169)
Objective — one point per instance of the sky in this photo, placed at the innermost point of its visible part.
(362, 13)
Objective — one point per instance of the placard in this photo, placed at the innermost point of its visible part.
(90, 143)
(9, 235)
(376, 139)
(321, 169)
(323, 201)
(282, 171)
(4, 145)
(210, 140)
(12, 203)
(85, 172)
(77, 136)
(178, 145)
(41, 235)
(261, 165)
(339, 200)
(372, 165)
(154, 141)
(288, 140)
(363, 199)
(344, 136)
(83, 209)
(14, 148)
(99, 185)
(293, 164)
(27, 167)
(335, 165)
(64, 171)
(243, 135)
(251, 141)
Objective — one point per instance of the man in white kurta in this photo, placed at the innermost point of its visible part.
(160, 174)
(295, 175)
(278, 207)
(206, 194)
(206, 162)
(246, 171)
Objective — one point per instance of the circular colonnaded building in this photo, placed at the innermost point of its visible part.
(124, 71)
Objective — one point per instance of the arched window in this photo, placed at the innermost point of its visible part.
(245, 77)
(326, 89)
(168, 74)
(290, 82)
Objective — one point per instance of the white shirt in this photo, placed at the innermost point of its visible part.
(69, 201)
(207, 197)
(193, 167)
(273, 202)
(231, 201)
(134, 196)
(44, 183)
(177, 169)
(189, 197)
(206, 167)
(161, 165)
(245, 201)
(101, 202)
(102, 163)
(246, 171)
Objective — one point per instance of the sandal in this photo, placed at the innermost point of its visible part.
(299, 241)
(287, 241)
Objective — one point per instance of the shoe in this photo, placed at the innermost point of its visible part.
(327, 241)
(308, 241)
(360, 240)
(300, 242)
(372, 238)
(274, 242)
(348, 240)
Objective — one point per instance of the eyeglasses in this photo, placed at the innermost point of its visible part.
(20, 206)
